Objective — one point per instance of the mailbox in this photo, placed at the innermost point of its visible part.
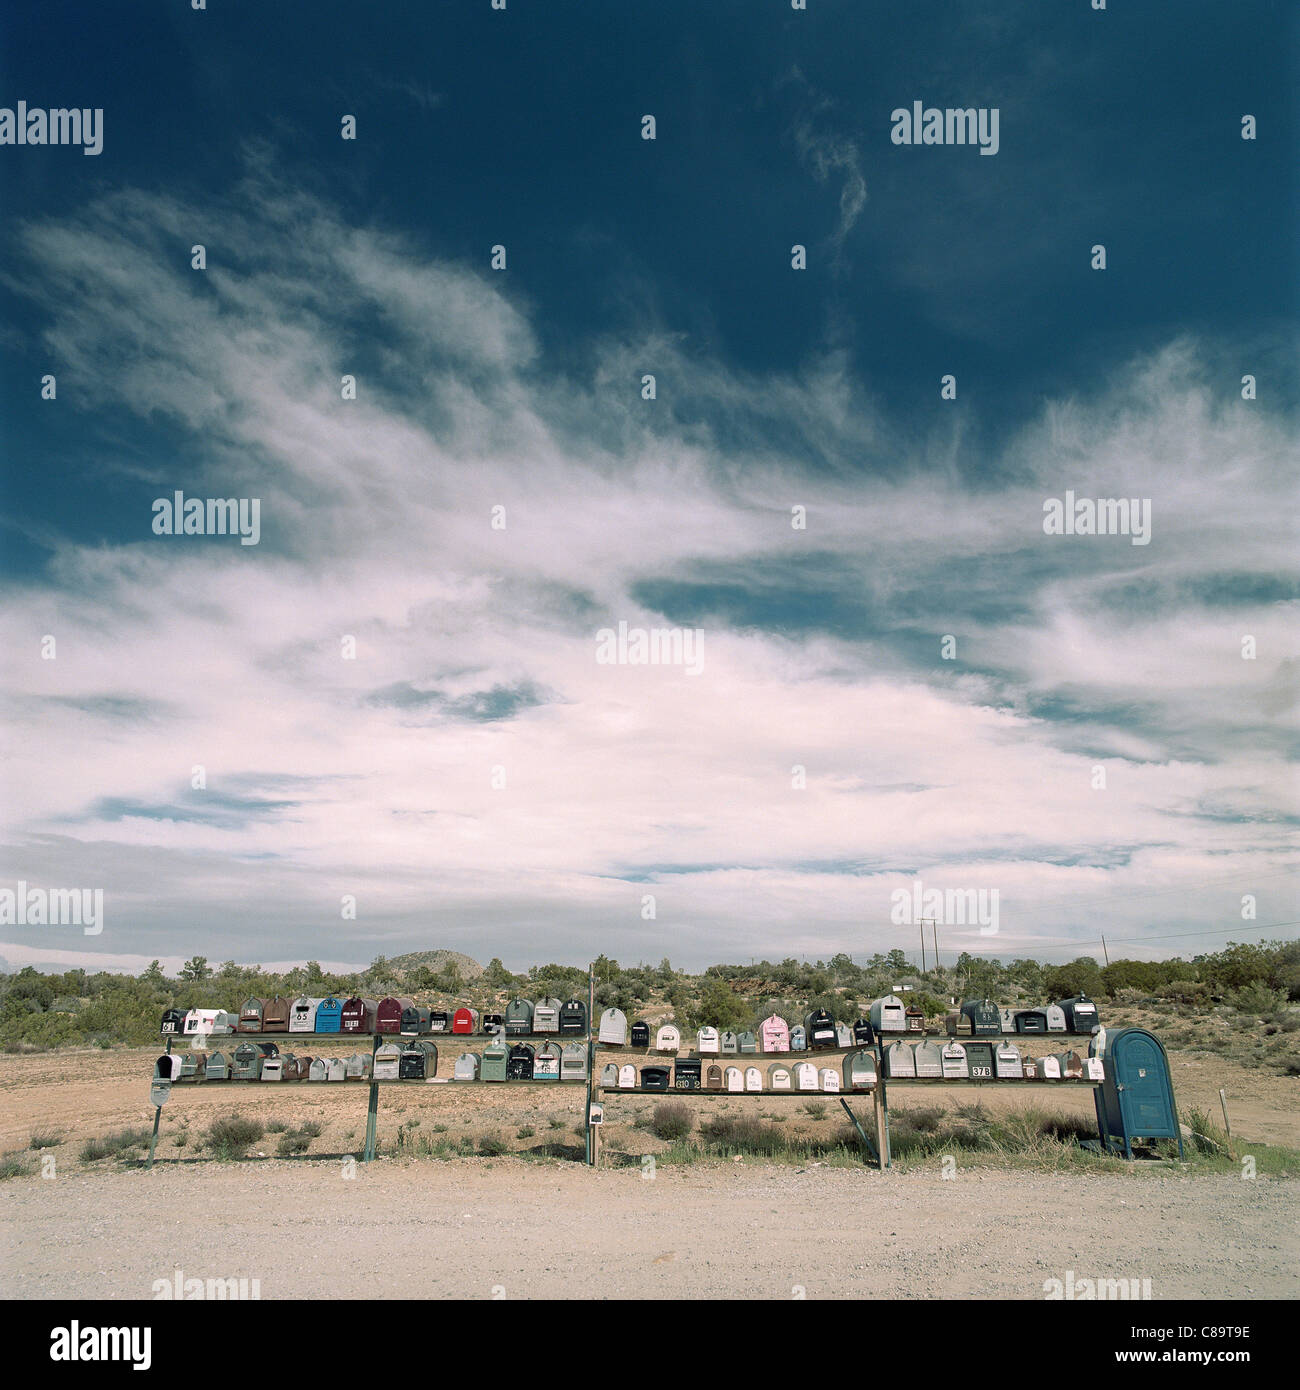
(272, 1069)
(218, 1067)
(410, 1066)
(733, 1079)
(753, 1079)
(1055, 1018)
(519, 1018)
(546, 1016)
(798, 1038)
(713, 1077)
(774, 1034)
(1006, 1062)
(519, 1064)
(250, 1016)
(388, 1013)
(613, 1028)
(888, 1015)
(805, 1077)
(329, 1015)
(1071, 1066)
(985, 1018)
(953, 1062)
(830, 1079)
(863, 1033)
(1029, 1066)
(207, 1021)
(357, 1067)
(319, 1070)
(358, 1016)
(267, 1049)
(627, 1077)
(173, 1021)
(1094, 1069)
(955, 1023)
(728, 1044)
(668, 1039)
(466, 1067)
(820, 1028)
(296, 1068)
(167, 1067)
(493, 1024)
(899, 1060)
(609, 1074)
(639, 1035)
(748, 1043)
(573, 1017)
(913, 1019)
(1008, 1018)
(979, 1061)
(336, 1069)
(546, 1065)
(1080, 1014)
(302, 1017)
(387, 1061)
(246, 1063)
(843, 1035)
(573, 1061)
(654, 1078)
(929, 1059)
(496, 1056)
(416, 1020)
(860, 1069)
(778, 1078)
(464, 1021)
(1031, 1021)
(275, 1014)
(687, 1074)
(707, 1041)
(439, 1021)
(193, 1066)
(1049, 1069)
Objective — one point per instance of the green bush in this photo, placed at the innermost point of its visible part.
(118, 1144)
(292, 1143)
(231, 1136)
(15, 1165)
(45, 1139)
(743, 1134)
(672, 1120)
(492, 1146)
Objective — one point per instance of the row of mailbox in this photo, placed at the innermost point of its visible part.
(395, 1014)
(955, 1061)
(982, 1018)
(774, 1035)
(416, 1061)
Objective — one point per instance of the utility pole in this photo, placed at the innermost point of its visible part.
(922, 945)
(1104, 951)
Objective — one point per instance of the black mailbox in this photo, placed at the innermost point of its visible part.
(985, 1017)
(1031, 1021)
(416, 1019)
(492, 1024)
(654, 1078)
(412, 1063)
(519, 1064)
(268, 1049)
(173, 1021)
(979, 1061)
(573, 1017)
(439, 1021)
(1080, 1014)
(863, 1033)
(687, 1074)
(820, 1028)
(639, 1035)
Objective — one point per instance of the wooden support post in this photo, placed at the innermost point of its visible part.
(882, 1125)
(372, 1110)
(1227, 1128)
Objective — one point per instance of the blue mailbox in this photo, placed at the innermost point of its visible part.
(1136, 1097)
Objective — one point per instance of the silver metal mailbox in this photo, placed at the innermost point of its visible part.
(929, 1059)
(613, 1028)
(1007, 1063)
(388, 1061)
(888, 1015)
(707, 1041)
(900, 1060)
(778, 1078)
(573, 1062)
(466, 1067)
(953, 1062)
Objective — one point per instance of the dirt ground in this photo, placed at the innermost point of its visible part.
(511, 1228)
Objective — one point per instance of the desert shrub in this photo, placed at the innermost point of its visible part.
(312, 1128)
(525, 1132)
(815, 1108)
(491, 1146)
(231, 1136)
(277, 1126)
(45, 1139)
(118, 1144)
(1184, 992)
(743, 1134)
(1256, 998)
(924, 1119)
(292, 1143)
(15, 1165)
(672, 1120)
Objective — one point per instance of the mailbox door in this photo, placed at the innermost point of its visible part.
(778, 1078)
(609, 1074)
(713, 1078)
(1146, 1098)
(748, 1043)
(639, 1035)
(729, 1044)
(753, 1079)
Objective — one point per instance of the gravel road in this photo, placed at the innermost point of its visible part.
(510, 1228)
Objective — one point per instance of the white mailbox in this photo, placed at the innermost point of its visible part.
(830, 1079)
(1049, 1068)
(466, 1067)
(668, 1039)
(707, 1041)
(805, 1077)
(929, 1058)
(753, 1079)
(627, 1077)
(302, 1014)
(778, 1078)
(953, 1062)
(1006, 1062)
(734, 1079)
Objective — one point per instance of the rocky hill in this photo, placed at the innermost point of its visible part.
(469, 968)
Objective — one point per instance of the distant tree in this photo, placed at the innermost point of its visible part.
(1081, 976)
(496, 976)
(196, 969)
(154, 974)
(720, 1007)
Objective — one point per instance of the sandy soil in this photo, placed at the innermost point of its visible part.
(510, 1228)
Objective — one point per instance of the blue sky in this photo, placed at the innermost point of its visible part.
(775, 388)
